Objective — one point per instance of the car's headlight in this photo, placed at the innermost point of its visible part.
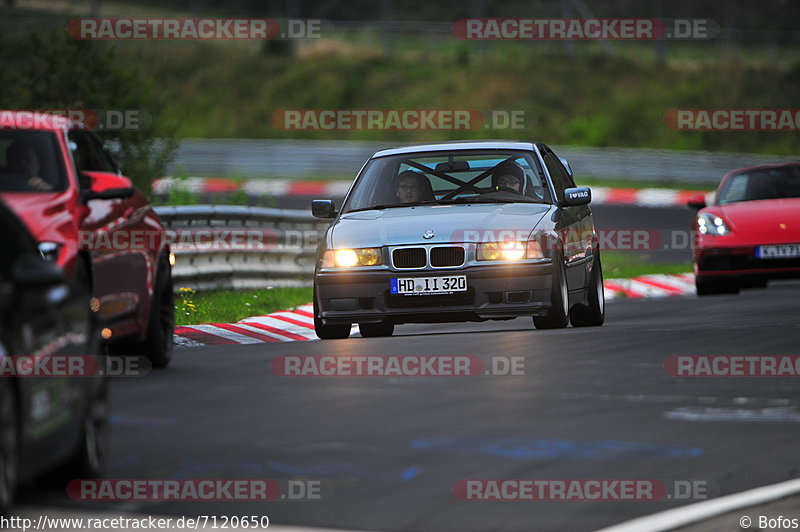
(711, 224)
(509, 250)
(49, 251)
(348, 258)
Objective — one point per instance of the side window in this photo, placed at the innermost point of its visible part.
(558, 174)
(89, 154)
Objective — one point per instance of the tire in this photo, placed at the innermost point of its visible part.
(91, 455)
(90, 459)
(9, 446)
(374, 330)
(328, 332)
(593, 314)
(712, 287)
(558, 317)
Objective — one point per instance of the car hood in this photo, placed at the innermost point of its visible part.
(763, 221)
(449, 223)
(42, 212)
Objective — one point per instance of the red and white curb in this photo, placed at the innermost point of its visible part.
(654, 285)
(298, 324)
(643, 197)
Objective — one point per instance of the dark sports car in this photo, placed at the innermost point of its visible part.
(52, 415)
(463, 231)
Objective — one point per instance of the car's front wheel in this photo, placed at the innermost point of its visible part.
(558, 317)
(328, 332)
(593, 314)
(374, 330)
(90, 459)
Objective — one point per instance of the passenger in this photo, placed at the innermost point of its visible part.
(508, 177)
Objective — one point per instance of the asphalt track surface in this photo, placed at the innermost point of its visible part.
(594, 403)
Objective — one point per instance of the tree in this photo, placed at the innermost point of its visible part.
(54, 72)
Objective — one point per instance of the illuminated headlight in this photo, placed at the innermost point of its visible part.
(711, 224)
(509, 250)
(348, 258)
(49, 251)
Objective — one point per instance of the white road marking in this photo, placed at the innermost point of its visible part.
(702, 511)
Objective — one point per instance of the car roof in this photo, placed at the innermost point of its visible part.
(458, 145)
(761, 167)
(33, 121)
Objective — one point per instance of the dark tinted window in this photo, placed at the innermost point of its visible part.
(770, 183)
(559, 175)
(89, 154)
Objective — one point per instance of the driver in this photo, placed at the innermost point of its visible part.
(508, 177)
(21, 159)
(408, 186)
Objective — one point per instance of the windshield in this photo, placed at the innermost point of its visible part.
(771, 183)
(29, 162)
(448, 177)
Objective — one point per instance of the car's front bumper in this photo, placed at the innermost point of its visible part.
(741, 262)
(497, 291)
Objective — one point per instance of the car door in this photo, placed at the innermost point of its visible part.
(40, 321)
(120, 265)
(571, 222)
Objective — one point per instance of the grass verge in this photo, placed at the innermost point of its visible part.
(221, 306)
(621, 265)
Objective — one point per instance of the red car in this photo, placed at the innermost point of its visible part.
(751, 232)
(88, 219)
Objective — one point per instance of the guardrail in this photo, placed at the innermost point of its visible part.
(296, 159)
(286, 259)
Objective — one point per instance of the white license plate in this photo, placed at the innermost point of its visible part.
(783, 251)
(413, 286)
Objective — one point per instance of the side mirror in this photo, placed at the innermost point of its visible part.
(323, 208)
(698, 201)
(31, 271)
(566, 166)
(574, 197)
(105, 185)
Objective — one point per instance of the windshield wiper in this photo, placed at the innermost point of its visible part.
(493, 199)
(399, 205)
(482, 199)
